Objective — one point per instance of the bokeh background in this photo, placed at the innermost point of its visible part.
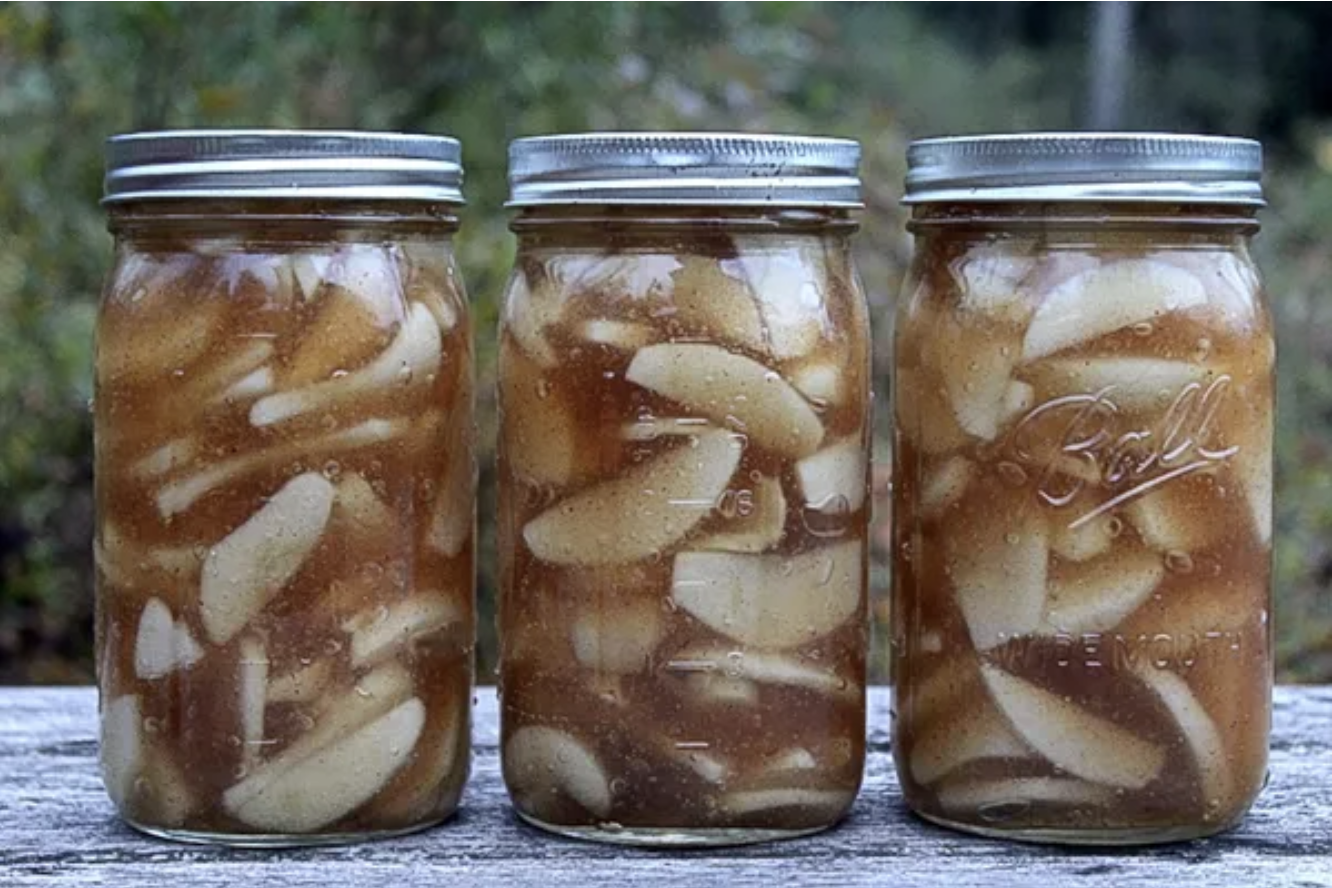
(72, 74)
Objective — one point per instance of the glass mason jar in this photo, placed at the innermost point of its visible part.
(284, 487)
(1083, 488)
(684, 399)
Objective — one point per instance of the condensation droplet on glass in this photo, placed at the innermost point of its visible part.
(1179, 562)
(543, 388)
(1114, 527)
(1143, 328)
(338, 374)
(332, 469)
(608, 374)
(1012, 538)
(179, 372)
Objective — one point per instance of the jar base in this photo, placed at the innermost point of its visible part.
(1125, 837)
(669, 837)
(281, 840)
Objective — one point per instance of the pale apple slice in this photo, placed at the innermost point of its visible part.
(339, 716)
(649, 508)
(768, 668)
(1071, 738)
(172, 455)
(789, 762)
(309, 270)
(1107, 298)
(255, 384)
(951, 743)
(420, 790)
(382, 632)
(717, 305)
(206, 386)
(696, 757)
(252, 682)
(821, 382)
(731, 389)
(823, 802)
(1200, 732)
(540, 762)
(1024, 791)
(944, 486)
(1082, 541)
(121, 749)
(631, 276)
(247, 569)
(538, 427)
(991, 279)
(1170, 520)
(771, 601)
(1019, 398)
(411, 359)
(760, 528)
(301, 685)
(334, 781)
(975, 365)
(347, 332)
(999, 552)
(788, 287)
(366, 525)
(527, 314)
(179, 495)
(1136, 384)
(835, 478)
(163, 644)
(179, 338)
(931, 697)
(162, 791)
(1252, 463)
(923, 414)
(619, 335)
(1099, 595)
(453, 512)
(617, 635)
(717, 688)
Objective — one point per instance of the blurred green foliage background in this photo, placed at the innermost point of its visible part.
(883, 73)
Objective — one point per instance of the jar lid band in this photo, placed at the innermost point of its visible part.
(285, 164)
(698, 169)
(1086, 167)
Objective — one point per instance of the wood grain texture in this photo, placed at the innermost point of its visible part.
(57, 828)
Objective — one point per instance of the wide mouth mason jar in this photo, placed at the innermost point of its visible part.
(284, 486)
(1082, 480)
(684, 398)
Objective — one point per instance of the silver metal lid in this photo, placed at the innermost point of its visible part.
(267, 164)
(699, 169)
(1101, 167)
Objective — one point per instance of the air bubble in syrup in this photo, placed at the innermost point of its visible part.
(1179, 562)
(1143, 328)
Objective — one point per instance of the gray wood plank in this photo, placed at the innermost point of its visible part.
(57, 828)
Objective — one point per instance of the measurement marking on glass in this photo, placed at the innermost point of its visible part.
(692, 503)
(690, 666)
(692, 744)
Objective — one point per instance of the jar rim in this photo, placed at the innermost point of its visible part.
(1085, 167)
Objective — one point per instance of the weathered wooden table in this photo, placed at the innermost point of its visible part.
(57, 828)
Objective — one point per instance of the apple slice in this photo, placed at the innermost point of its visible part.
(788, 286)
(1107, 298)
(952, 743)
(790, 762)
(1135, 384)
(768, 668)
(162, 793)
(824, 803)
(453, 512)
(1200, 732)
(758, 530)
(382, 632)
(1181, 516)
(166, 459)
(1099, 595)
(1074, 740)
(300, 685)
(179, 495)
(245, 571)
(1252, 463)
(412, 359)
(540, 762)
(999, 551)
(346, 332)
(1084, 541)
(931, 697)
(835, 477)
(944, 485)
(435, 772)
(334, 781)
(731, 389)
(253, 683)
(991, 279)
(717, 305)
(923, 414)
(366, 525)
(163, 644)
(1024, 791)
(538, 426)
(717, 688)
(1019, 398)
(617, 635)
(121, 749)
(771, 601)
(619, 335)
(820, 381)
(179, 338)
(651, 507)
(975, 364)
(526, 315)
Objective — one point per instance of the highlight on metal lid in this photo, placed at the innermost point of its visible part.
(699, 169)
(286, 164)
(1086, 167)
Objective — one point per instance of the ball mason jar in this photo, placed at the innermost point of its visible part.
(684, 398)
(1083, 488)
(284, 487)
